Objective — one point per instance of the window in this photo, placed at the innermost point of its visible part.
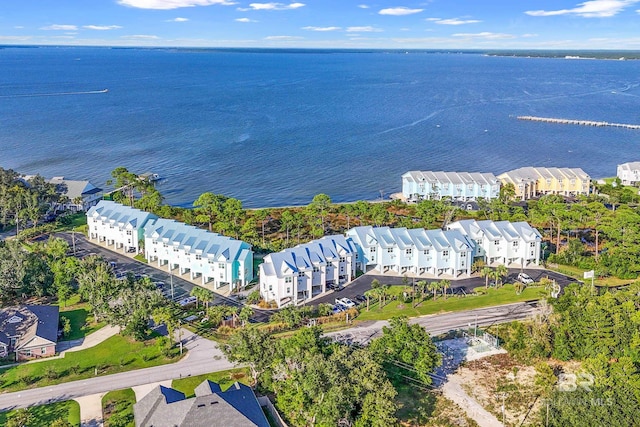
(175, 249)
(164, 245)
(211, 261)
(479, 242)
(390, 250)
(43, 350)
(532, 253)
(300, 273)
(198, 257)
(27, 352)
(270, 287)
(445, 253)
(426, 251)
(316, 269)
(343, 259)
(289, 290)
(221, 266)
(515, 243)
(532, 244)
(463, 254)
(408, 251)
(288, 279)
(496, 242)
(129, 233)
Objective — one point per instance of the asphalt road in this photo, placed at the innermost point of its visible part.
(123, 263)
(203, 357)
(460, 286)
(438, 324)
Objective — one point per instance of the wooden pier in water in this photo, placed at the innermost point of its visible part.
(578, 122)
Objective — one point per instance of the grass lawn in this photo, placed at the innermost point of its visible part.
(224, 378)
(117, 408)
(140, 258)
(116, 354)
(504, 295)
(77, 221)
(81, 320)
(578, 273)
(44, 415)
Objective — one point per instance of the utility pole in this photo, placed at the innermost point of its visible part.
(171, 278)
(503, 415)
(73, 240)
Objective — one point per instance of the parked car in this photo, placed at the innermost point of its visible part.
(345, 302)
(159, 285)
(335, 287)
(337, 309)
(187, 301)
(360, 298)
(525, 278)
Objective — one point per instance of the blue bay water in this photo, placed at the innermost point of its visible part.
(277, 127)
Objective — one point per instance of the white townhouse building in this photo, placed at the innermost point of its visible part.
(502, 242)
(116, 225)
(459, 186)
(629, 173)
(415, 251)
(530, 182)
(222, 263)
(296, 274)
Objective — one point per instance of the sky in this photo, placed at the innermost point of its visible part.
(402, 24)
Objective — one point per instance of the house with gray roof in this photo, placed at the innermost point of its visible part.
(305, 271)
(29, 331)
(235, 407)
(458, 186)
(76, 195)
(412, 251)
(220, 262)
(118, 226)
(502, 242)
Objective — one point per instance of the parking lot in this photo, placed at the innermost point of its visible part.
(175, 288)
(461, 286)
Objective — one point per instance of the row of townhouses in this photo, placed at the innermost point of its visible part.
(217, 260)
(528, 182)
(295, 274)
(306, 271)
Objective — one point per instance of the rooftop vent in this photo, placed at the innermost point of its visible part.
(15, 319)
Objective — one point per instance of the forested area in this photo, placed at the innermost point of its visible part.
(601, 329)
(319, 382)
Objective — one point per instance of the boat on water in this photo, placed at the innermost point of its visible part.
(150, 177)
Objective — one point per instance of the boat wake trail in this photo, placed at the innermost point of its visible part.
(410, 124)
(31, 95)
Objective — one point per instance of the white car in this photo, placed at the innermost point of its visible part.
(345, 302)
(525, 278)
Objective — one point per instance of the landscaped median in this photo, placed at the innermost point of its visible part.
(45, 415)
(482, 298)
(116, 354)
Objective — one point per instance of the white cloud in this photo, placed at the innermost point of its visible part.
(272, 6)
(57, 27)
(321, 29)
(363, 6)
(178, 19)
(141, 37)
(453, 21)
(18, 27)
(363, 30)
(589, 9)
(101, 27)
(485, 35)
(172, 4)
(399, 11)
(245, 20)
(283, 38)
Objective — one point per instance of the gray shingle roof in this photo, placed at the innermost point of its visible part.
(235, 407)
(27, 322)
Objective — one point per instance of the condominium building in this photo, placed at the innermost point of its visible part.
(421, 185)
(305, 271)
(629, 173)
(530, 182)
(118, 226)
(222, 263)
(501, 242)
(412, 251)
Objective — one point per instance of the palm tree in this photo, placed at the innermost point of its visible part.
(486, 272)
(519, 286)
(501, 271)
(371, 293)
(445, 284)
(245, 314)
(422, 285)
(384, 293)
(201, 294)
(434, 287)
